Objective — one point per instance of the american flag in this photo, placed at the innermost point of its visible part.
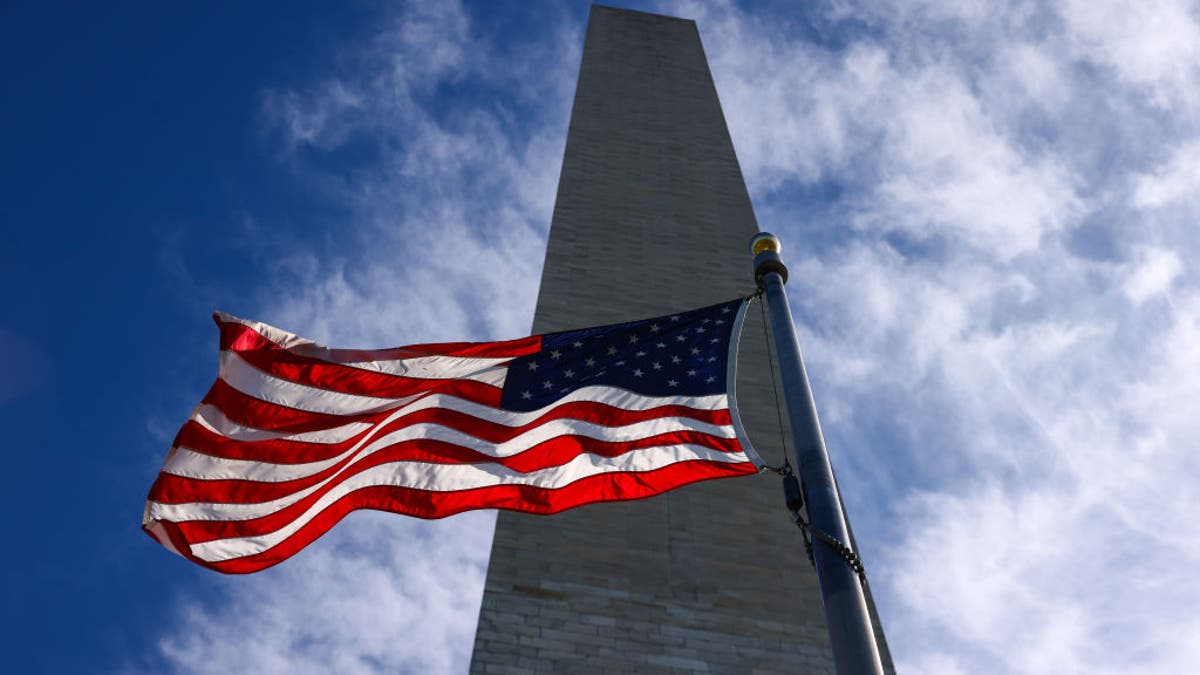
(293, 436)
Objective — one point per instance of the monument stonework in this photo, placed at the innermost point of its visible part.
(652, 216)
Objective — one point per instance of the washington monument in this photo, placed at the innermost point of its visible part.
(652, 216)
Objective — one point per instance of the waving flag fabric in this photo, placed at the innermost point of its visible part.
(293, 435)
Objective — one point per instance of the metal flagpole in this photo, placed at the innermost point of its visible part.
(850, 632)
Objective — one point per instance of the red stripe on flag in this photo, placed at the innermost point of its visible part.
(274, 360)
(425, 504)
(259, 414)
(173, 489)
(193, 436)
(208, 530)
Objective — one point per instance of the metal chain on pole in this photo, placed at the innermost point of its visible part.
(793, 491)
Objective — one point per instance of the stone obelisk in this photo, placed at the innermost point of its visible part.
(652, 216)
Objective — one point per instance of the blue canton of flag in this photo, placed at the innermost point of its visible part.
(685, 354)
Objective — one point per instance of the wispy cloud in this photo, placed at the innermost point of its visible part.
(380, 594)
(990, 210)
(1009, 379)
(452, 201)
(449, 202)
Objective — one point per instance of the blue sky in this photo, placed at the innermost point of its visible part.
(989, 209)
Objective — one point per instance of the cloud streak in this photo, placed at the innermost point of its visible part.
(1008, 381)
(449, 203)
(379, 594)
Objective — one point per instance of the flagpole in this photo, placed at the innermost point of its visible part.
(842, 594)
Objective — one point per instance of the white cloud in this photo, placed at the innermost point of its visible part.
(1176, 180)
(379, 594)
(1038, 499)
(445, 242)
(947, 169)
(939, 164)
(1153, 45)
(310, 120)
(1152, 274)
(1016, 418)
(1028, 74)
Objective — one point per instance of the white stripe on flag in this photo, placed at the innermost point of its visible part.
(253, 382)
(191, 464)
(435, 366)
(624, 400)
(210, 417)
(452, 477)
